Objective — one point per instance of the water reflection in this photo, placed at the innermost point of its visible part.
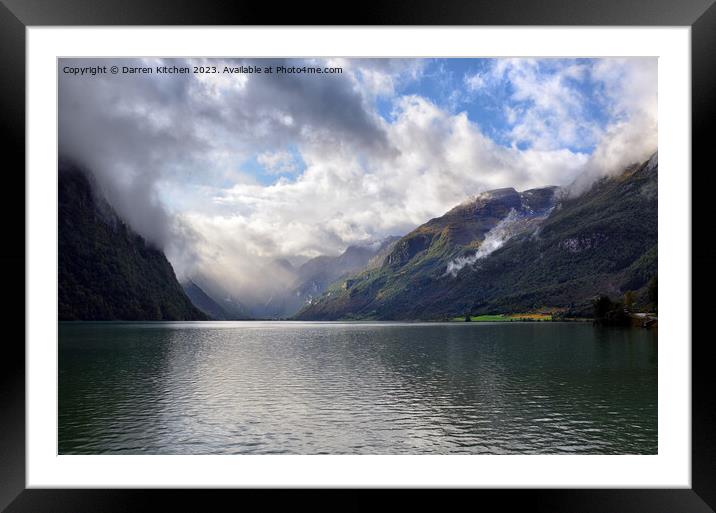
(306, 388)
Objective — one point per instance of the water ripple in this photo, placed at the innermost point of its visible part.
(337, 388)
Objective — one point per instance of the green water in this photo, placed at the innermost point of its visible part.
(356, 388)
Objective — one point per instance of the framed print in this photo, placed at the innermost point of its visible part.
(431, 249)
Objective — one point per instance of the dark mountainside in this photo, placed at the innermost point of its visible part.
(106, 271)
(227, 305)
(508, 252)
(211, 308)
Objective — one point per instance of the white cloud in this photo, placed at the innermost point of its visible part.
(632, 135)
(475, 82)
(278, 162)
(341, 199)
(178, 145)
(554, 114)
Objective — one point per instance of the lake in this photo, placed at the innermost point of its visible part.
(356, 388)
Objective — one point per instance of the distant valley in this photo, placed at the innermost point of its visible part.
(502, 251)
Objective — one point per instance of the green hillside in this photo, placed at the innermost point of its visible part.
(601, 242)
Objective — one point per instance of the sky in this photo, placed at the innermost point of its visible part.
(227, 172)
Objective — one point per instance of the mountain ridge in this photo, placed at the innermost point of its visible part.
(313, 276)
(207, 304)
(505, 251)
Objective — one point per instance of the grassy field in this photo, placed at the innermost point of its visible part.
(507, 317)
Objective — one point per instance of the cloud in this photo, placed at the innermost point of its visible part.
(631, 137)
(604, 107)
(382, 77)
(475, 82)
(169, 151)
(550, 107)
(134, 130)
(343, 199)
(278, 162)
(494, 240)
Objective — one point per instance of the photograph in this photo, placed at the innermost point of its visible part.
(352, 256)
(270, 253)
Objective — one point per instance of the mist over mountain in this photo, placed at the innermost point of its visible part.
(314, 276)
(297, 286)
(229, 176)
(209, 306)
(505, 251)
(107, 271)
(499, 251)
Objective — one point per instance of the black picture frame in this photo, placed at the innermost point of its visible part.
(16, 15)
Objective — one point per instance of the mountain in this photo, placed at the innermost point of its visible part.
(316, 274)
(203, 302)
(505, 251)
(235, 309)
(106, 271)
(214, 301)
(313, 276)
